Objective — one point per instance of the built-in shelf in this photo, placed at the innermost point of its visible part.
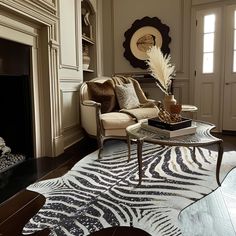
(88, 20)
(88, 40)
(88, 70)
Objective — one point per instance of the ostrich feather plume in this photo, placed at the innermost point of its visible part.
(161, 68)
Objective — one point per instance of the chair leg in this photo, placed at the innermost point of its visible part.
(99, 153)
(129, 146)
(100, 146)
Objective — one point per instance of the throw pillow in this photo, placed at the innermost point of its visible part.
(126, 96)
(103, 93)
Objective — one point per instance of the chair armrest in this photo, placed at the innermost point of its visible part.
(90, 103)
(90, 117)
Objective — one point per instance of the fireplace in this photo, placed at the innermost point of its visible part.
(31, 29)
(15, 95)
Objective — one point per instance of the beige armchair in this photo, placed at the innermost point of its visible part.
(112, 123)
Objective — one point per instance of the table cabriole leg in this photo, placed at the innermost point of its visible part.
(139, 154)
(219, 160)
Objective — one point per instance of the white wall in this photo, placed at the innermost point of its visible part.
(125, 14)
(70, 68)
(118, 17)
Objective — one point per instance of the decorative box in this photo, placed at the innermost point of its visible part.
(184, 123)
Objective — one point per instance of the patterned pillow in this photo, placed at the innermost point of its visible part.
(126, 96)
(103, 93)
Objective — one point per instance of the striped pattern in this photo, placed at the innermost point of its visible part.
(99, 194)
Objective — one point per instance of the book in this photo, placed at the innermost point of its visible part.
(169, 133)
(184, 123)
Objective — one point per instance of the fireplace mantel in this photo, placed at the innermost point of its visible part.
(35, 23)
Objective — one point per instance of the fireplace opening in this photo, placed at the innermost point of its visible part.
(16, 97)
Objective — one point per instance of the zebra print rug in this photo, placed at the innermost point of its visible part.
(99, 194)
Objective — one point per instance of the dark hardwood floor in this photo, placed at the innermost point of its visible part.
(18, 205)
(19, 177)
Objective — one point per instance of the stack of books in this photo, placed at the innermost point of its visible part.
(170, 130)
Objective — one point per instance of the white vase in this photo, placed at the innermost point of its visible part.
(168, 101)
(86, 61)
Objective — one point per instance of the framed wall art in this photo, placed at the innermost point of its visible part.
(144, 33)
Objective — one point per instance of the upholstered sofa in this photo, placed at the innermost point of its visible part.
(106, 110)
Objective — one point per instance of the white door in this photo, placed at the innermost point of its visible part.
(215, 80)
(229, 103)
(208, 65)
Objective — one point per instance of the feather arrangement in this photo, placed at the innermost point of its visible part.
(161, 68)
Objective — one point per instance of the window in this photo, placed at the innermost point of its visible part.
(234, 65)
(208, 44)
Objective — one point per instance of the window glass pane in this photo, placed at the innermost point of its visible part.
(234, 66)
(207, 63)
(209, 23)
(234, 39)
(208, 45)
(234, 62)
(235, 19)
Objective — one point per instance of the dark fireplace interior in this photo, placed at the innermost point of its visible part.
(15, 97)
